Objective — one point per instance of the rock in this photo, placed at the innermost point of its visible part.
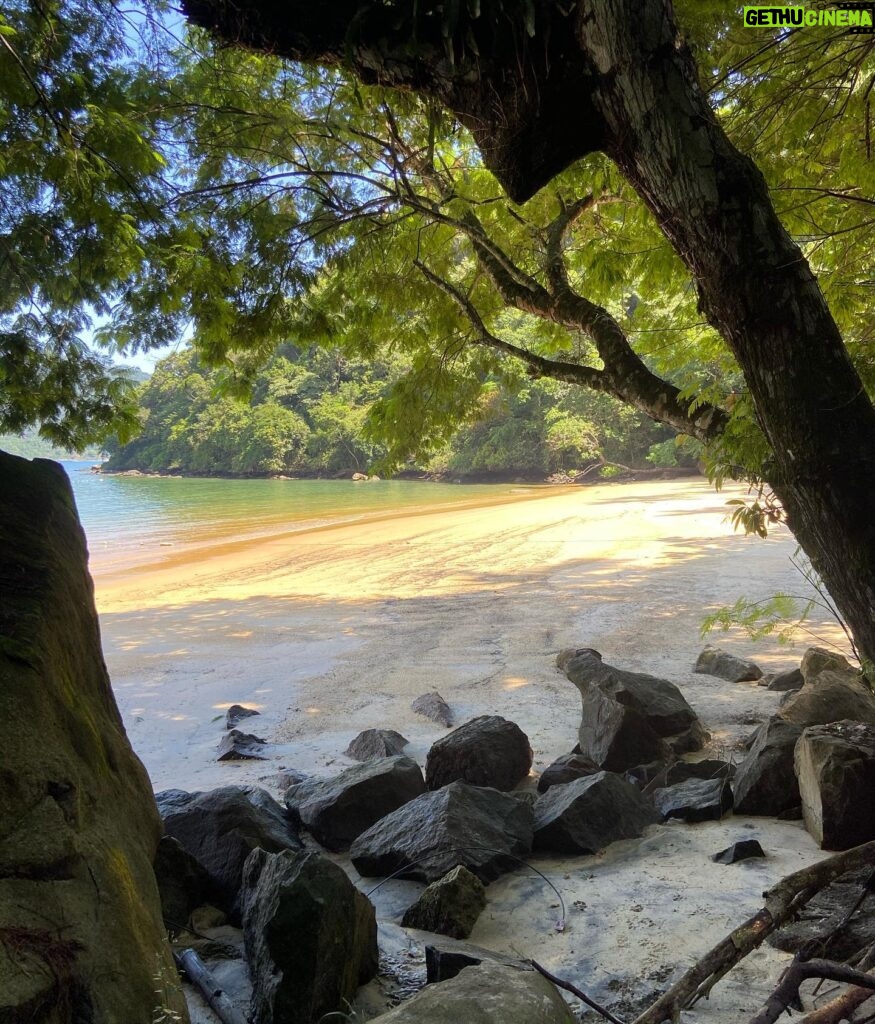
(206, 917)
(79, 904)
(446, 957)
(627, 716)
(220, 828)
(487, 751)
(690, 740)
(819, 659)
(287, 777)
(835, 765)
(183, 883)
(434, 707)
(714, 662)
(310, 936)
(742, 850)
(765, 781)
(236, 713)
(831, 696)
(564, 769)
(488, 994)
(792, 679)
(376, 743)
(486, 831)
(642, 775)
(588, 814)
(709, 768)
(825, 913)
(659, 701)
(694, 800)
(240, 746)
(449, 906)
(337, 810)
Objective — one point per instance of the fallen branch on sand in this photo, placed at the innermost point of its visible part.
(782, 903)
(787, 992)
(843, 1005)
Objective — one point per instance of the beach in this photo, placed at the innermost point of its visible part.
(332, 630)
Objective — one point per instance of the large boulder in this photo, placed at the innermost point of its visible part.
(79, 905)
(221, 827)
(765, 781)
(835, 765)
(588, 814)
(446, 957)
(629, 718)
(486, 831)
(487, 751)
(310, 936)
(487, 994)
(831, 695)
(715, 662)
(449, 906)
(337, 810)
(694, 800)
(820, 659)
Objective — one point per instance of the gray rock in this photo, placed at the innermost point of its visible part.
(433, 707)
(765, 781)
(338, 809)
(376, 743)
(690, 740)
(831, 696)
(80, 916)
(310, 935)
(588, 814)
(220, 828)
(240, 746)
(645, 776)
(826, 912)
(819, 659)
(744, 849)
(629, 718)
(183, 883)
(695, 800)
(715, 662)
(486, 831)
(564, 769)
(660, 702)
(488, 994)
(487, 751)
(835, 765)
(449, 906)
(236, 713)
(792, 679)
(446, 957)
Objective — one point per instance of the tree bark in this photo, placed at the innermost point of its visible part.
(615, 76)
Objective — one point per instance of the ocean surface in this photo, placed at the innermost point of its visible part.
(128, 519)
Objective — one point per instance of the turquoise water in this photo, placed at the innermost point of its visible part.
(125, 516)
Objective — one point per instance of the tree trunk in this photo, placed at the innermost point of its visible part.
(614, 75)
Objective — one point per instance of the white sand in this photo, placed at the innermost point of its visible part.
(335, 630)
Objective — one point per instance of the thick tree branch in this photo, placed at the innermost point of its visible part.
(787, 992)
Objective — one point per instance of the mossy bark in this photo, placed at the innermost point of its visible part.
(81, 937)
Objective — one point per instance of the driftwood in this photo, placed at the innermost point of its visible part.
(199, 975)
(575, 991)
(844, 1005)
(782, 902)
(787, 992)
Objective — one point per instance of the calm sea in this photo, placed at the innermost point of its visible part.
(126, 518)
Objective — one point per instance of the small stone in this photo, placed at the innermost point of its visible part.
(433, 707)
(236, 713)
(241, 746)
(449, 906)
(376, 743)
(715, 662)
(790, 680)
(742, 850)
(695, 800)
